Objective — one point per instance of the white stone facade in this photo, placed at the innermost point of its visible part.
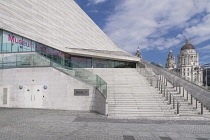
(25, 89)
(188, 63)
(60, 24)
(170, 61)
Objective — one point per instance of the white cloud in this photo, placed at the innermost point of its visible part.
(205, 57)
(96, 1)
(206, 48)
(200, 32)
(147, 23)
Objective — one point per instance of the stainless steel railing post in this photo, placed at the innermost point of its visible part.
(173, 103)
(177, 108)
(170, 99)
(183, 91)
(201, 108)
(187, 95)
(196, 104)
(191, 100)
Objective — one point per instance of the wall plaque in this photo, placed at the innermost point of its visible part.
(81, 92)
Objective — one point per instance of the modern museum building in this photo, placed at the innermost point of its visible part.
(46, 49)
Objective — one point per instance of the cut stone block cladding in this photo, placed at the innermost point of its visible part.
(25, 89)
(60, 24)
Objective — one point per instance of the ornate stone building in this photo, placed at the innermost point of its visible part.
(138, 53)
(170, 61)
(188, 63)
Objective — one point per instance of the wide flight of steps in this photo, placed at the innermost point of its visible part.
(130, 95)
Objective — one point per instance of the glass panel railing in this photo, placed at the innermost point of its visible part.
(35, 59)
(21, 60)
(84, 75)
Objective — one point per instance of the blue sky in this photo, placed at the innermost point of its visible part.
(155, 26)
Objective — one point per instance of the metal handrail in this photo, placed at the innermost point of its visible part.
(199, 93)
(172, 72)
(165, 92)
(168, 96)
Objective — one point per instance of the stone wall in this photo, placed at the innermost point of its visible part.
(60, 24)
(46, 87)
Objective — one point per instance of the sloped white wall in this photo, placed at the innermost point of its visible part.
(56, 23)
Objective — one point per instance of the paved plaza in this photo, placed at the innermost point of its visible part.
(37, 124)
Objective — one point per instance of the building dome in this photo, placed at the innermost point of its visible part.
(187, 45)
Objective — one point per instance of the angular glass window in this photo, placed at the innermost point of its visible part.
(82, 62)
(67, 60)
(56, 56)
(40, 49)
(48, 53)
(1, 40)
(116, 64)
(89, 63)
(100, 63)
(8, 39)
(74, 62)
(33, 46)
(110, 64)
(26, 45)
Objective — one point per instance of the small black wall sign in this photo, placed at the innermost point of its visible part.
(81, 92)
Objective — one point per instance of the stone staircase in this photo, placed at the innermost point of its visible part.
(131, 96)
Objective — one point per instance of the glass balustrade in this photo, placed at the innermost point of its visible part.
(37, 60)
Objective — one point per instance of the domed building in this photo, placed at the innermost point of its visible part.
(188, 63)
(170, 61)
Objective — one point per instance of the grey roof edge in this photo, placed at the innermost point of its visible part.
(113, 55)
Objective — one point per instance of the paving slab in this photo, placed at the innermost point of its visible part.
(40, 124)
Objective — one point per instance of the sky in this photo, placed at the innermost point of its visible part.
(155, 26)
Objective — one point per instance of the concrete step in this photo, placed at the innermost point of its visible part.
(131, 95)
(138, 106)
(140, 115)
(138, 111)
(139, 98)
(134, 98)
(135, 102)
(142, 108)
